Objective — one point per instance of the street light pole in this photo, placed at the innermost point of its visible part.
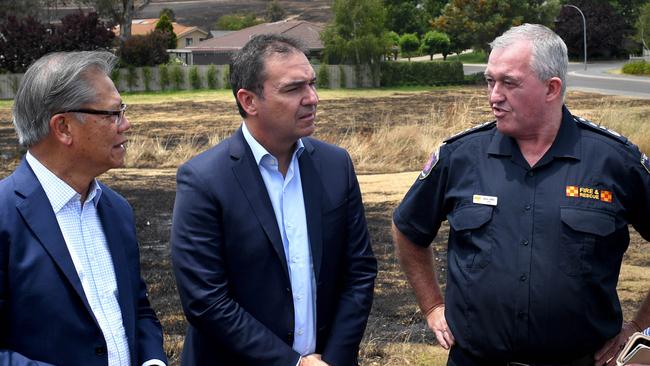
(584, 30)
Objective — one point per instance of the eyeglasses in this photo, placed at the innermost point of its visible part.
(118, 121)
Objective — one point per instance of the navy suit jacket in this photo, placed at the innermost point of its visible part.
(44, 313)
(230, 265)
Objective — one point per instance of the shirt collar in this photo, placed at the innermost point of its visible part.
(566, 143)
(58, 192)
(260, 151)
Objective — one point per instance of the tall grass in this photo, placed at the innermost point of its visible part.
(147, 152)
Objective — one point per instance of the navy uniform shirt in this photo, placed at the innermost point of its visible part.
(534, 254)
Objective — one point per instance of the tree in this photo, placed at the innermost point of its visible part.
(145, 50)
(118, 11)
(22, 41)
(435, 42)
(409, 44)
(475, 23)
(405, 16)
(237, 21)
(607, 31)
(169, 13)
(80, 32)
(274, 11)
(394, 45)
(165, 25)
(357, 34)
(643, 26)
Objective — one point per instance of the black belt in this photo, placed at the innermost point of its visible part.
(461, 357)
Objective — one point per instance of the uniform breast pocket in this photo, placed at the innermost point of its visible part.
(582, 230)
(470, 237)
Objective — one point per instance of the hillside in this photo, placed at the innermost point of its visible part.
(204, 13)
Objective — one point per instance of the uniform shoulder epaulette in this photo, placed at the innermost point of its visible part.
(599, 129)
(481, 127)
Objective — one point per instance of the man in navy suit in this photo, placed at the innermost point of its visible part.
(269, 242)
(70, 285)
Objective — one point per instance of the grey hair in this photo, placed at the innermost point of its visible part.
(247, 66)
(549, 55)
(56, 82)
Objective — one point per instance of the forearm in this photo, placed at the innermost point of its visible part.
(417, 264)
(642, 318)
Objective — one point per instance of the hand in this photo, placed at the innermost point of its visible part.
(607, 355)
(438, 324)
(313, 359)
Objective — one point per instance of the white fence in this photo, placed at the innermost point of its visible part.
(180, 78)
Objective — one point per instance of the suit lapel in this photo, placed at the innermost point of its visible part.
(249, 177)
(115, 229)
(35, 209)
(312, 191)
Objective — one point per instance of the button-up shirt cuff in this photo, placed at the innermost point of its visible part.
(154, 362)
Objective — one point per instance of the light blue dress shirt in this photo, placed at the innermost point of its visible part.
(289, 207)
(84, 237)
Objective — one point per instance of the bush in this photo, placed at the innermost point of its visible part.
(226, 79)
(342, 78)
(116, 77)
(178, 77)
(146, 78)
(144, 50)
(132, 77)
(195, 78)
(211, 75)
(637, 68)
(165, 79)
(421, 73)
(323, 77)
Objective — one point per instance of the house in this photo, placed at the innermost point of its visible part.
(218, 50)
(186, 35)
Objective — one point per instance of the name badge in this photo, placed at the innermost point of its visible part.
(484, 200)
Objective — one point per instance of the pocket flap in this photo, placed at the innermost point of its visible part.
(588, 221)
(470, 217)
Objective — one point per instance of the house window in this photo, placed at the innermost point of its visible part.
(188, 41)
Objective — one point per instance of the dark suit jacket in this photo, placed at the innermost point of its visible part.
(44, 313)
(230, 265)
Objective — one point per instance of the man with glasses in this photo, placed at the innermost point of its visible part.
(70, 286)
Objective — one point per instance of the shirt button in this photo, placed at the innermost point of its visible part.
(524, 242)
(527, 207)
(300, 331)
(530, 173)
(100, 351)
(523, 278)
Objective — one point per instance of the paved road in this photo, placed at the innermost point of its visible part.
(597, 78)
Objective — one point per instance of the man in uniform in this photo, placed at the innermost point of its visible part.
(538, 204)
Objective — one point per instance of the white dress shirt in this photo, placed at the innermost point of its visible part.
(289, 207)
(84, 236)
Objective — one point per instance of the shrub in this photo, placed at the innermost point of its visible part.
(637, 68)
(146, 77)
(144, 50)
(195, 78)
(342, 77)
(323, 77)
(421, 73)
(165, 79)
(178, 77)
(211, 77)
(115, 76)
(132, 77)
(226, 79)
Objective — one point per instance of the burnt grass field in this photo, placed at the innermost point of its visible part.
(396, 334)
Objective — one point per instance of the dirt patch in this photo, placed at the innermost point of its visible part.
(394, 317)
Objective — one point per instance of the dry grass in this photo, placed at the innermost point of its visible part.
(147, 152)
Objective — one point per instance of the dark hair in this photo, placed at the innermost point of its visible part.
(247, 66)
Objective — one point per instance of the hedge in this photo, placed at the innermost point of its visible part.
(637, 68)
(421, 73)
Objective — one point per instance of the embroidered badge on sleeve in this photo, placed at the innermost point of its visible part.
(428, 167)
(645, 162)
